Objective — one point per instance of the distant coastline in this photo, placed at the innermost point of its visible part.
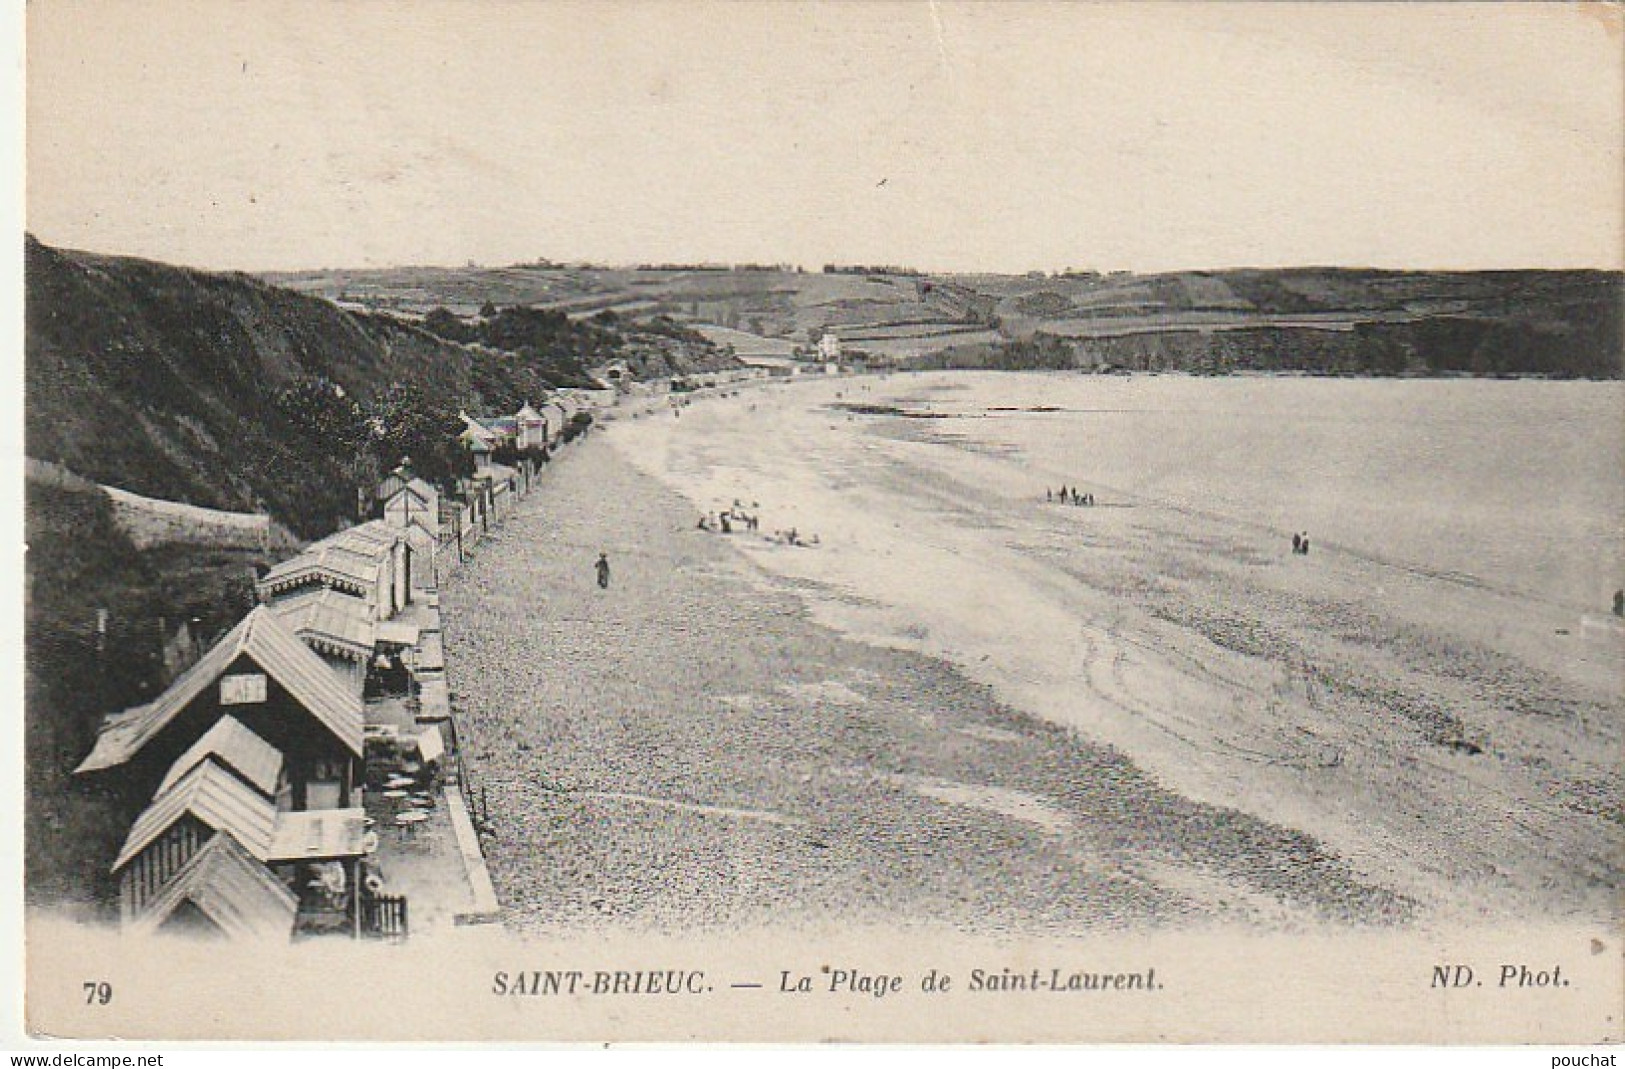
(1342, 321)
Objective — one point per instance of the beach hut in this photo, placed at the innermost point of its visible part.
(390, 545)
(407, 500)
(261, 674)
(361, 574)
(206, 801)
(504, 430)
(235, 748)
(554, 412)
(372, 561)
(481, 448)
(339, 628)
(303, 873)
(532, 427)
(222, 891)
(411, 507)
(475, 431)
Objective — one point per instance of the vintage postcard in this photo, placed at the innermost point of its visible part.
(906, 522)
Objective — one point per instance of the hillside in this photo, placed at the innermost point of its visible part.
(228, 392)
(1345, 320)
(82, 567)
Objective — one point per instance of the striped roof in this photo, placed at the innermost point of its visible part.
(271, 646)
(344, 566)
(396, 483)
(351, 559)
(231, 888)
(236, 748)
(365, 536)
(218, 799)
(328, 621)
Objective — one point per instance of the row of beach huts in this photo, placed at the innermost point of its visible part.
(280, 769)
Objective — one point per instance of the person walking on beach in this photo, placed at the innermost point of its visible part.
(1297, 542)
(1619, 603)
(603, 571)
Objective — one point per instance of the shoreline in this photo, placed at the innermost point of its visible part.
(1422, 748)
(694, 750)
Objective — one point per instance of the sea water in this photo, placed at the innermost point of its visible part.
(1514, 484)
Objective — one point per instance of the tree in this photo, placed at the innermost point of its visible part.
(445, 324)
(319, 409)
(406, 422)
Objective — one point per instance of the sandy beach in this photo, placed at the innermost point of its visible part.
(965, 708)
(1453, 742)
(698, 747)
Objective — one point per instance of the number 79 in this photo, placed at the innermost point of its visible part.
(98, 992)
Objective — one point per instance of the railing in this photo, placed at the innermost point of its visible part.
(383, 917)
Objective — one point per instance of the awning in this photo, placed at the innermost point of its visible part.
(398, 632)
(434, 700)
(432, 653)
(430, 745)
(318, 835)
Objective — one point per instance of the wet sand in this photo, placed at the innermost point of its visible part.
(692, 750)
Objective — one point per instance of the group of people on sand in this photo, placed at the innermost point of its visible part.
(1300, 543)
(736, 518)
(723, 522)
(1068, 496)
(793, 537)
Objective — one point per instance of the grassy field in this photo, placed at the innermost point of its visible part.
(1571, 317)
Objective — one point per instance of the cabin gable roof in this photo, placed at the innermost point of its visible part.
(215, 798)
(267, 643)
(225, 883)
(235, 747)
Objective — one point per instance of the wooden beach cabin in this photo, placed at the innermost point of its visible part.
(235, 748)
(207, 800)
(210, 803)
(481, 448)
(474, 430)
(532, 427)
(556, 415)
(408, 503)
(392, 549)
(222, 891)
(371, 561)
(338, 627)
(504, 430)
(262, 675)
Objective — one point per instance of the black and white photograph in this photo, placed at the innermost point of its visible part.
(906, 522)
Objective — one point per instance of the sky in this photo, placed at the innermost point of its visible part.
(945, 136)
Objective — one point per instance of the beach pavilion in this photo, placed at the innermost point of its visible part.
(263, 676)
